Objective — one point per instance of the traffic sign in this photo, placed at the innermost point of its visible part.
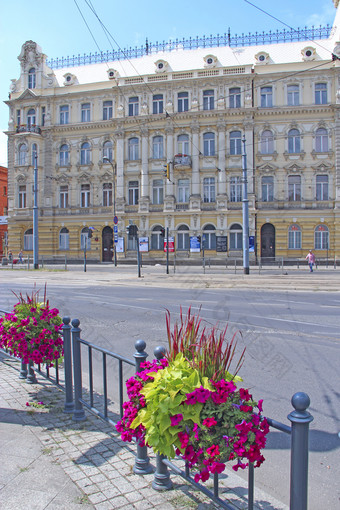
(115, 229)
(115, 220)
(116, 238)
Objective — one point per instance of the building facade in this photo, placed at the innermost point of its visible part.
(104, 134)
(3, 211)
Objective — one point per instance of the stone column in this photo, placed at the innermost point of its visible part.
(222, 177)
(169, 199)
(248, 125)
(144, 170)
(119, 135)
(195, 183)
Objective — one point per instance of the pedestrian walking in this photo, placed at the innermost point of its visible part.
(20, 257)
(311, 260)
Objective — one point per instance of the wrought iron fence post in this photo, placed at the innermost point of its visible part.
(142, 462)
(300, 419)
(66, 328)
(31, 378)
(78, 413)
(23, 370)
(161, 481)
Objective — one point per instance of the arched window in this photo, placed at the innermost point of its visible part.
(64, 155)
(183, 144)
(321, 140)
(84, 239)
(107, 150)
(183, 238)
(157, 147)
(34, 153)
(235, 237)
(85, 154)
(31, 78)
(294, 141)
(28, 240)
(30, 117)
(209, 237)
(22, 154)
(321, 238)
(133, 149)
(267, 142)
(294, 237)
(64, 241)
(209, 144)
(157, 241)
(235, 142)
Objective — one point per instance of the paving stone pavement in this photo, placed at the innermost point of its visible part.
(48, 461)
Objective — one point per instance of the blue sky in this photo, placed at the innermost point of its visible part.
(59, 29)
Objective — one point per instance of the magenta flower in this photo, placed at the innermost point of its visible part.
(209, 422)
(176, 419)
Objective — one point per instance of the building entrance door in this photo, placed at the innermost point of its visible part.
(107, 244)
(268, 241)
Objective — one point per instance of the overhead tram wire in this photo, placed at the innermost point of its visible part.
(172, 116)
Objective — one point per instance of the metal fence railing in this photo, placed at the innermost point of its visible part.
(78, 398)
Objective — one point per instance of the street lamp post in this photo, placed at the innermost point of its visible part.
(35, 214)
(114, 167)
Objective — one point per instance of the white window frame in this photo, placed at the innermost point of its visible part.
(209, 189)
(28, 240)
(32, 78)
(107, 150)
(158, 147)
(293, 95)
(321, 140)
(294, 237)
(235, 97)
(322, 187)
(182, 102)
(64, 114)
(294, 141)
(64, 239)
(85, 153)
(85, 112)
(235, 143)
(133, 109)
(183, 241)
(183, 144)
(294, 188)
(107, 194)
(321, 94)
(235, 237)
(31, 117)
(157, 104)
(267, 188)
(321, 237)
(22, 154)
(208, 99)
(84, 239)
(22, 196)
(267, 142)
(85, 196)
(133, 149)
(133, 192)
(266, 97)
(107, 110)
(235, 194)
(209, 144)
(63, 196)
(157, 191)
(183, 191)
(64, 155)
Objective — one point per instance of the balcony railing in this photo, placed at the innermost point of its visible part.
(23, 128)
(182, 161)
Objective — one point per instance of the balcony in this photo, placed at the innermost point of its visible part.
(23, 128)
(182, 162)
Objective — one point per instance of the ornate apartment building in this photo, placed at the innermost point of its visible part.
(105, 127)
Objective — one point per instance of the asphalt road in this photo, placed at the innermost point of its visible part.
(292, 340)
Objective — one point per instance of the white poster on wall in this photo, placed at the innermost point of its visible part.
(120, 245)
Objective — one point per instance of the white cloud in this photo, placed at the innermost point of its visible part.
(326, 15)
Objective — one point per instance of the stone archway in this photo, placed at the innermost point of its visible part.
(268, 241)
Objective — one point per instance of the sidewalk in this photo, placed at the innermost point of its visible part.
(50, 462)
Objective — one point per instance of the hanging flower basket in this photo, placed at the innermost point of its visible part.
(188, 404)
(32, 331)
